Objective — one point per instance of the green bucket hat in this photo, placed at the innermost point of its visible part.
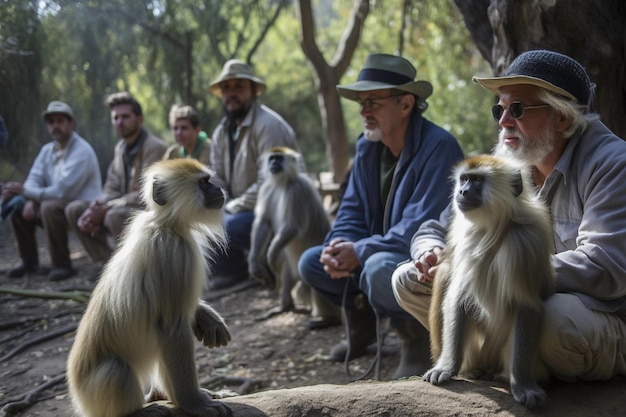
(383, 71)
(235, 68)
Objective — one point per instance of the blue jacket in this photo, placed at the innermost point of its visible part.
(420, 190)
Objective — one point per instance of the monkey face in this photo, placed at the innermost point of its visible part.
(181, 191)
(469, 192)
(213, 194)
(275, 163)
(487, 183)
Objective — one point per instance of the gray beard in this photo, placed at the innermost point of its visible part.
(373, 135)
(527, 151)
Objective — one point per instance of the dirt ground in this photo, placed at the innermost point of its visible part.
(279, 352)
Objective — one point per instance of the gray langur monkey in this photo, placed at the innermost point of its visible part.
(289, 218)
(487, 304)
(139, 324)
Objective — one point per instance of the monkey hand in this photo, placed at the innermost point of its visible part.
(209, 326)
(529, 394)
(438, 374)
(262, 273)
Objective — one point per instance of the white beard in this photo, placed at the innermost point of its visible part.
(528, 151)
(374, 135)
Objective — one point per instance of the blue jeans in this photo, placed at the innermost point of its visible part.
(234, 261)
(373, 280)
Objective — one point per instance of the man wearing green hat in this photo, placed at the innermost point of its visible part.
(247, 129)
(65, 169)
(579, 170)
(399, 179)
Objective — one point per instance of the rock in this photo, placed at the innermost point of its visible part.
(414, 397)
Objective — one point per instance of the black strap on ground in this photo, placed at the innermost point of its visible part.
(379, 339)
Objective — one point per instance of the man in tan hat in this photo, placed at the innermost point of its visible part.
(247, 129)
(106, 213)
(399, 180)
(65, 169)
(579, 169)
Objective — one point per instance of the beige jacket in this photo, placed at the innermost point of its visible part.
(262, 129)
(115, 187)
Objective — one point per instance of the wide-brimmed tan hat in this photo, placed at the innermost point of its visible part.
(546, 69)
(235, 68)
(383, 71)
(58, 107)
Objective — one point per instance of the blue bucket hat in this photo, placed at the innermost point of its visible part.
(546, 69)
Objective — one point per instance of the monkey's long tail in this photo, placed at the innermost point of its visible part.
(379, 339)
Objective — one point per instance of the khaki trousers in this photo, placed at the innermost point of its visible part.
(98, 246)
(576, 343)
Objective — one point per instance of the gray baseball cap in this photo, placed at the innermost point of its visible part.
(58, 107)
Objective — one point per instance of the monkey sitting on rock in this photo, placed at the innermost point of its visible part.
(486, 308)
(139, 323)
(289, 217)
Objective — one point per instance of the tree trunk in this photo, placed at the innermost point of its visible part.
(327, 76)
(591, 31)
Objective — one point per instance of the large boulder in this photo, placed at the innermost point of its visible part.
(414, 397)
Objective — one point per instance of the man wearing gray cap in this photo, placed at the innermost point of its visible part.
(399, 179)
(247, 129)
(579, 169)
(65, 169)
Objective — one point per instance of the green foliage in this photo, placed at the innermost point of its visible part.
(20, 71)
(169, 51)
(438, 44)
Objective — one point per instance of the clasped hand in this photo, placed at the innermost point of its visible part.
(339, 258)
(427, 264)
(91, 219)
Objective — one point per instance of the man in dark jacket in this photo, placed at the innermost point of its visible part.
(399, 180)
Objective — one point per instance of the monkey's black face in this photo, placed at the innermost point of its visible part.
(213, 194)
(276, 162)
(469, 191)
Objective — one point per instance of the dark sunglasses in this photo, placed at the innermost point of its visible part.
(516, 109)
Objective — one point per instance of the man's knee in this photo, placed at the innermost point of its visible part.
(569, 333)
(309, 263)
(49, 208)
(74, 210)
(413, 296)
(115, 220)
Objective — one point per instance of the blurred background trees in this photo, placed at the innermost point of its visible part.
(169, 51)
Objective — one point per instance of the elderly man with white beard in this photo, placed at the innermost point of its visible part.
(399, 179)
(579, 170)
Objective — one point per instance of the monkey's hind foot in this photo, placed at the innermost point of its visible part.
(529, 395)
(438, 376)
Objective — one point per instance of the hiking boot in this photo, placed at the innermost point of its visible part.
(414, 348)
(22, 270)
(362, 333)
(58, 274)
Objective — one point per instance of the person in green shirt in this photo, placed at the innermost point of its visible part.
(191, 140)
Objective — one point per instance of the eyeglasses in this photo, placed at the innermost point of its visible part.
(516, 109)
(372, 103)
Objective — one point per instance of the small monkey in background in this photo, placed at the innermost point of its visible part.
(289, 218)
(486, 309)
(143, 312)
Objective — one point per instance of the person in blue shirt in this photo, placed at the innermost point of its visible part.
(399, 179)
